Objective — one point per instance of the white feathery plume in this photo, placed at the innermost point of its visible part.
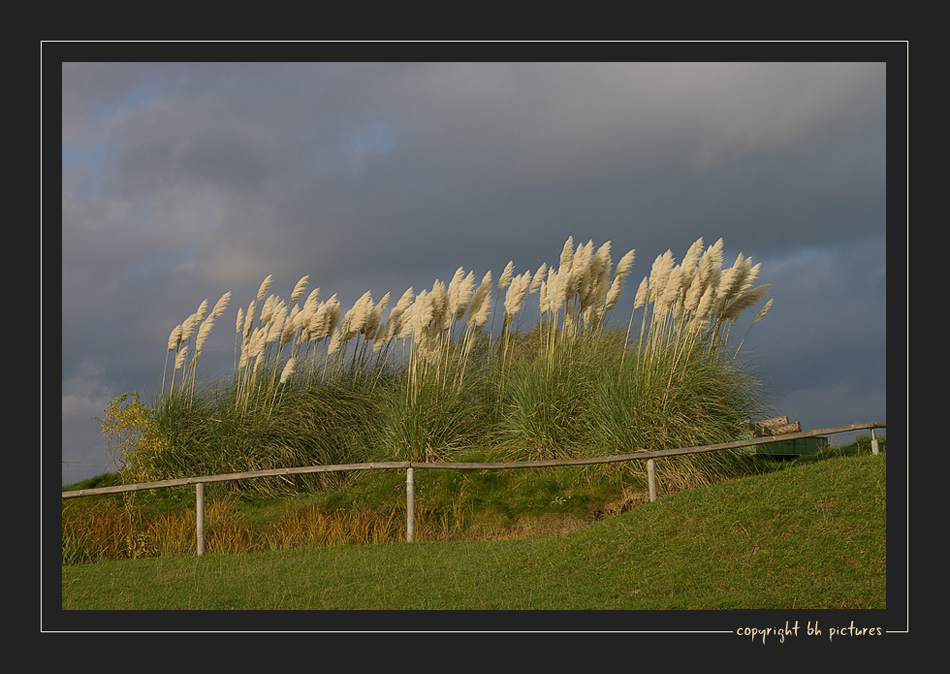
(602, 261)
(594, 295)
(396, 315)
(538, 279)
(174, 339)
(371, 327)
(221, 305)
(311, 304)
(743, 301)
(438, 299)
(729, 283)
(290, 326)
(710, 264)
(293, 319)
(706, 303)
(580, 268)
(289, 369)
(180, 358)
(659, 275)
(672, 289)
(515, 295)
(403, 324)
(202, 310)
(694, 293)
(480, 307)
(203, 332)
(265, 286)
(764, 310)
(556, 295)
(188, 327)
(506, 275)
(404, 303)
(421, 315)
(267, 311)
(619, 280)
(277, 322)
(691, 261)
(742, 265)
(334, 313)
(317, 325)
(596, 283)
(460, 292)
(249, 319)
(356, 317)
(643, 293)
(752, 274)
(257, 342)
(300, 288)
(302, 322)
(335, 340)
(321, 323)
(567, 253)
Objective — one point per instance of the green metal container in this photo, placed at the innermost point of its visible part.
(794, 447)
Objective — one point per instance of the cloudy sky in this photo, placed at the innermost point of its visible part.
(184, 180)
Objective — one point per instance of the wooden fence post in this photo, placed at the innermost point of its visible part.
(410, 505)
(874, 447)
(651, 477)
(200, 517)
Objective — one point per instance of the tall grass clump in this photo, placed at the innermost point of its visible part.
(452, 368)
(545, 391)
(681, 385)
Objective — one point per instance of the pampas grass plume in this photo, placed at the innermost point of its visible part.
(265, 286)
(538, 278)
(249, 319)
(691, 260)
(289, 369)
(203, 332)
(180, 358)
(642, 293)
(421, 314)
(659, 274)
(480, 307)
(764, 310)
(267, 310)
(319, 326)
(174, 339)
(375, 318)
(567, 252)
(277, 322)
(710, 264)
(518, 289)
(619, 280)
(221, 305)
(672, 289)
(460, 293)
(743, 301)
(188, 327)
(300, 288)
(506, 275)
(402, 305)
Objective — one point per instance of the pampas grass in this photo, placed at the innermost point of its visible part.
(441, 380)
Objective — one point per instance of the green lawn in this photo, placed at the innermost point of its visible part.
(810, 536)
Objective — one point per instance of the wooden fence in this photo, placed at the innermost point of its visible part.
(411, 466)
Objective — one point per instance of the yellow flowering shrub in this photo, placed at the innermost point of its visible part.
(133, 437)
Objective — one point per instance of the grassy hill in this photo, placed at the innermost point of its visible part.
(811, 535)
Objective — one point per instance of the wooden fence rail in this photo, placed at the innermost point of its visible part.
(411, 466)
